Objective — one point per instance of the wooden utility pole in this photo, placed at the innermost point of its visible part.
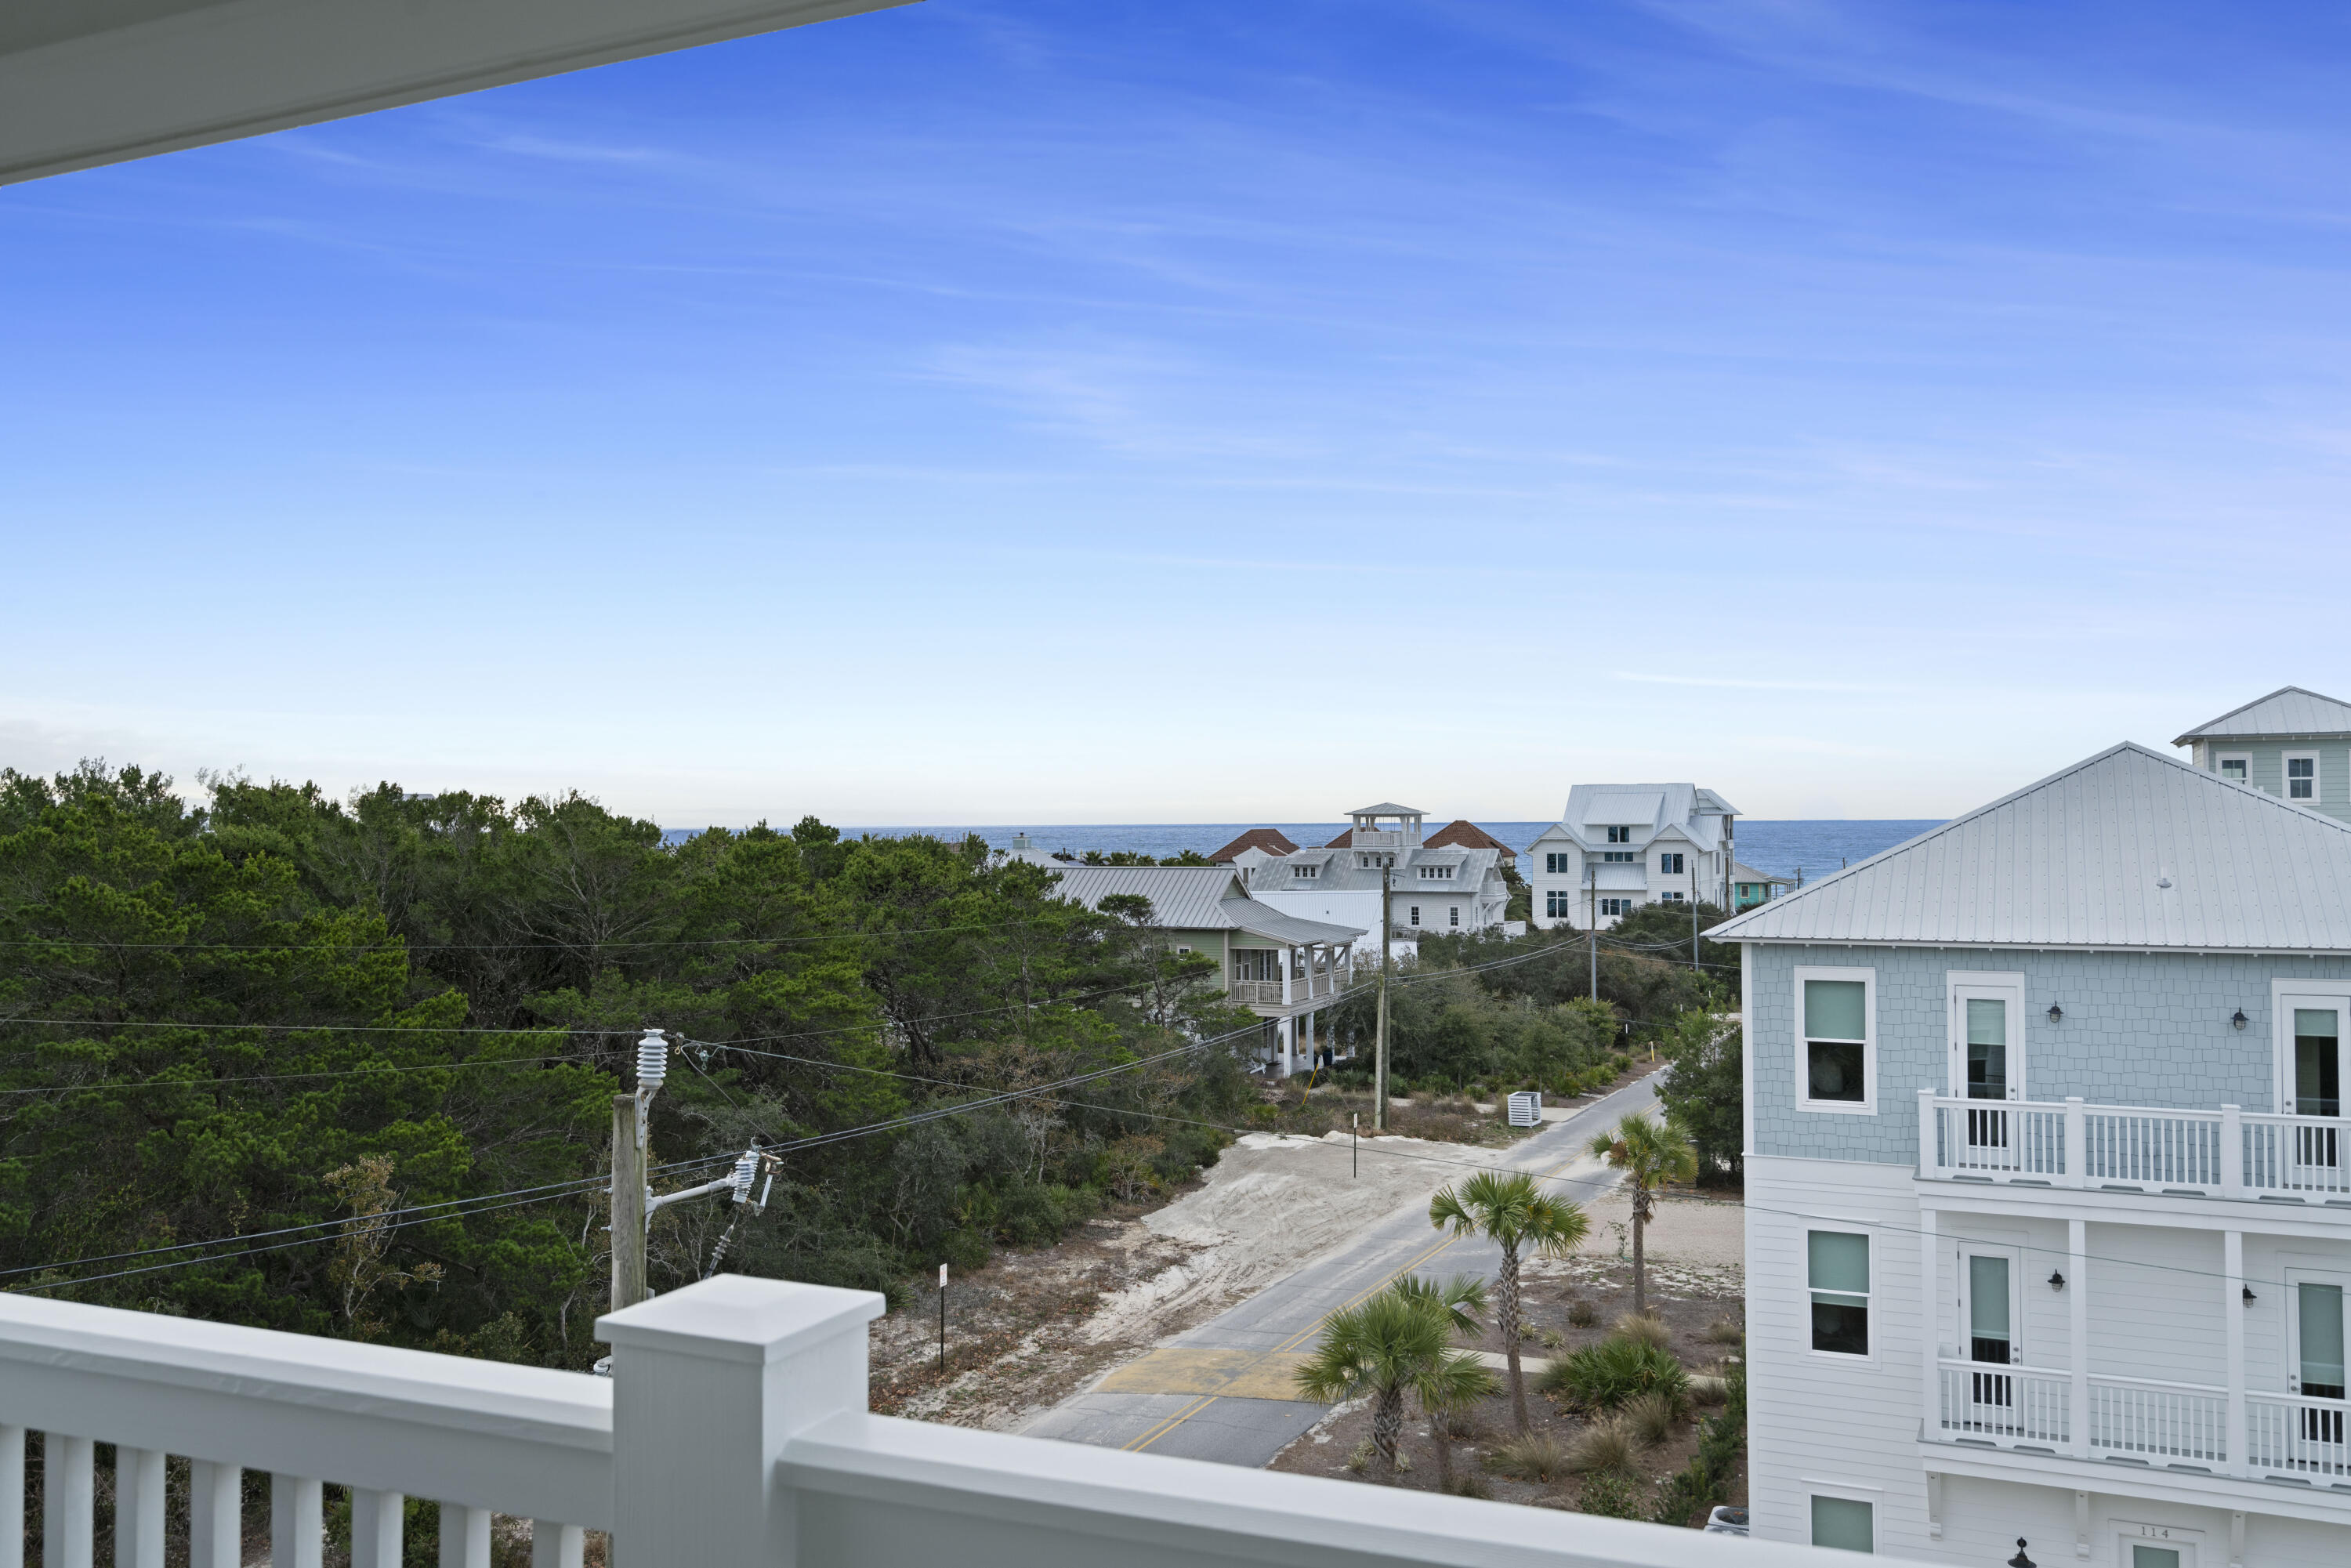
(1592, 919)
(628, 1204)
(1380, 1035)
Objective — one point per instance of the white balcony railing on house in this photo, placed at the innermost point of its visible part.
(2288, 1437)
(1313, 987)
(2227, 1152)
(732, 1434)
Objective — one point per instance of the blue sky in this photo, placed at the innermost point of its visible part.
(1118, 412)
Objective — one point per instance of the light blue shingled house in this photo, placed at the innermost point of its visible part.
(2049, 1183)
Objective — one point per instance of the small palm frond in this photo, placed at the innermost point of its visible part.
(1455, 1381)
(1510, 1208)
(1461, 1298)
(1384, 1346)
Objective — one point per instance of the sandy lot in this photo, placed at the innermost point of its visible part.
(1033, 1327)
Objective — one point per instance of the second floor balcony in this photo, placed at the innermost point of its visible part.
(2225, 1152)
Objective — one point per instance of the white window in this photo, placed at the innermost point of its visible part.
(2235, 767)
(1671, 865)
(1558, 902)
(1557, 865)
(1454, 913)
(2302, 776)
(1436, 874)
(1415, 915)
(1620, 835)
(1306, 872)
(1672, 897)
(1843, 1522)
(1621, 857)
(1836, 1264)
(1837, 1039)
(1615, 906)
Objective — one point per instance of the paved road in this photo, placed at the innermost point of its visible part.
(1216, 1392)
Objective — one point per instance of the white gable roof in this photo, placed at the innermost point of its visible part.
(2289, 710)
(1624, 808)
(2126, 848)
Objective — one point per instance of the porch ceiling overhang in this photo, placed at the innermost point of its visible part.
(2154, 1482)
(89, 83)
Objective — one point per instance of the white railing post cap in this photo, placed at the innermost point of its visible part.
(734, 1317)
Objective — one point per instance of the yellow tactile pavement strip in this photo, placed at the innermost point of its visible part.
(1197, 1369)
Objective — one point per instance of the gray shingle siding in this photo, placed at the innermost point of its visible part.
(2140, 1028)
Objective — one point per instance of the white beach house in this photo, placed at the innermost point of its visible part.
(1619, 846)
(2049, 1184)
(1443, 892)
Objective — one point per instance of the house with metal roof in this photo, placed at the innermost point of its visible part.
(1283, 967)
(1428, 889)
(2293, 743)
(1616, 847)
(2049, 1180)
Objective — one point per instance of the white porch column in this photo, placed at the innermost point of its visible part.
(2077, 1146)
(2233, 1308)
(1289, 962)
(1285, 1034)
(709, 1383)
(1927, 1152)
(1930, 1324)
(2232, 1151)
(2077, 1322)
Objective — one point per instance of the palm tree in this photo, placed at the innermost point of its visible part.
(1650, 1153)
(1461, 1298)
(1511, 1211)
(1379, 1350)
(1458, 1381)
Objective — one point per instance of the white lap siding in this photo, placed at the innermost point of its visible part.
(1831, 1422)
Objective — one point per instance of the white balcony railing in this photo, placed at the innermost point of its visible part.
(2227, 1152)
(2288, 1437)
(732, 1434)
(1320, 987)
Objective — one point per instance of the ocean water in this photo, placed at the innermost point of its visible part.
(1780, 849)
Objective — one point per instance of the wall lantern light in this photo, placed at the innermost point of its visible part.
(2249, 1297)
(2021, 1559)
(2240, 1019)
(2057, 1281)
(2055, 1012)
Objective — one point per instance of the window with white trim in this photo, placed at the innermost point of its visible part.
(1415, 915)
(1672, 897)
(1557, 903)
(1306, 872)
(1436, 874)
(1558, 865)
(1621, 857)
(2235, 767)
(1671, 865)
(2302, 776)
(1836, 1269)
(1453, 913)
(1837, 1039)
(1846, 1523)
(1620, 835)
(1615, 906)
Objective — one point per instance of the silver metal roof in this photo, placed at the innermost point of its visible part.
(1387, 808)
(1624, 808)
(2289, 710)
(2128, 849)
(1196, 898)
(1698, 813)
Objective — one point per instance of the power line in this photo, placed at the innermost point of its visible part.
(402, 944)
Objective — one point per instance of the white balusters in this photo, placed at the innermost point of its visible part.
(297, 1523)
(215, 1515)
(554, 1545)
(465, 1537)
(68, 1489)
(138, 1508)
(375, 1528)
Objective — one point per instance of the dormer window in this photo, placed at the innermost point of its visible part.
(1306, 872)
(1436, 874)
(1620, 835)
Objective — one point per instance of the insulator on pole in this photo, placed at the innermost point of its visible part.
(747, 1169)
(652, 1061)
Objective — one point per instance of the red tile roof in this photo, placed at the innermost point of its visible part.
(1465, 834)
(1270, 840)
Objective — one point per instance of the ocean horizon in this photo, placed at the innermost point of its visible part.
(1808, 848)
